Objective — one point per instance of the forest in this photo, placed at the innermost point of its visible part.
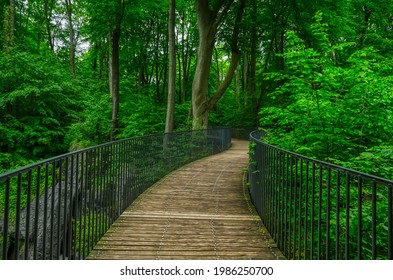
(316, 75)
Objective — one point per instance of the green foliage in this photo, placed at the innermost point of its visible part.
(37, 105)
(140, 117)
(326, 64)
(329, 111)
(333, 102)
(10, 161)
(377, 160)
(233, 109)
(92, 126)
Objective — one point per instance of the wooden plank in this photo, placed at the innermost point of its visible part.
(197, 212)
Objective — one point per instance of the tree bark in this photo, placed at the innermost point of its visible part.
(200, 96)
(9, 26)
(172, 69)
(179, 72)
(114, 67)
(114, 79)
(68, 5)
(48, 8)
(186, 58)
(245, 71)
(185, 49)
(267, 58)
(208, 22)
(12, 16)
(253, 62)
(227, 80)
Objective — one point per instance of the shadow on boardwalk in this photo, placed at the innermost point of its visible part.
(198, 212)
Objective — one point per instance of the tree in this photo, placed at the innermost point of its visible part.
(172, 68)
(187, 43)
(114, 64)
(68, 4)
(209, 21)
(48, 11)
(36, 105)
(331, 111)
(9, 25)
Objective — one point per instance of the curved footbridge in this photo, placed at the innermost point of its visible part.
(201, 211)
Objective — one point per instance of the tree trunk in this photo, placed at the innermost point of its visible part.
(208, 22)
(9, 26)
(253, 62)
(158, 79)
(238, 85)
(114, 66)
(180, 78)
(216, 58)
(200, 97)
(245, 71)
(367, 14)
(114, 79)
(12, 15)
(186, 74)
(184, 60)
(165, 77)
(68, 5)
(172, 69)
(48, 9)
(227, 80)
(267, 58)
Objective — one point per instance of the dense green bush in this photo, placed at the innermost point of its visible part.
(37, 104)
(340, 111)
(329, 111)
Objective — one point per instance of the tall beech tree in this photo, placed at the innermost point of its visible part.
(210, 17)
(172, 68)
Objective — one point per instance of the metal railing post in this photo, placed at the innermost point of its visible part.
(65, 204)
(312, 212)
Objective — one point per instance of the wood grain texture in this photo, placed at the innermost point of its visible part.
(199, 212)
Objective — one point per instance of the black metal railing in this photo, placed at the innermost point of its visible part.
(317, 210)
(242, 132)
(60, 208)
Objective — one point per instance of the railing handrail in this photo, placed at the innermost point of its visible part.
(11, 173)
(60, 207)
(318, 210)
(258, 134)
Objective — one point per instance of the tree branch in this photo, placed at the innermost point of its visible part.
(217, 8)
(219, 16)
(236, 54)
(227, 80)
(203, 11)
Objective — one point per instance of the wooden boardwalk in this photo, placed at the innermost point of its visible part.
(198, 212)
